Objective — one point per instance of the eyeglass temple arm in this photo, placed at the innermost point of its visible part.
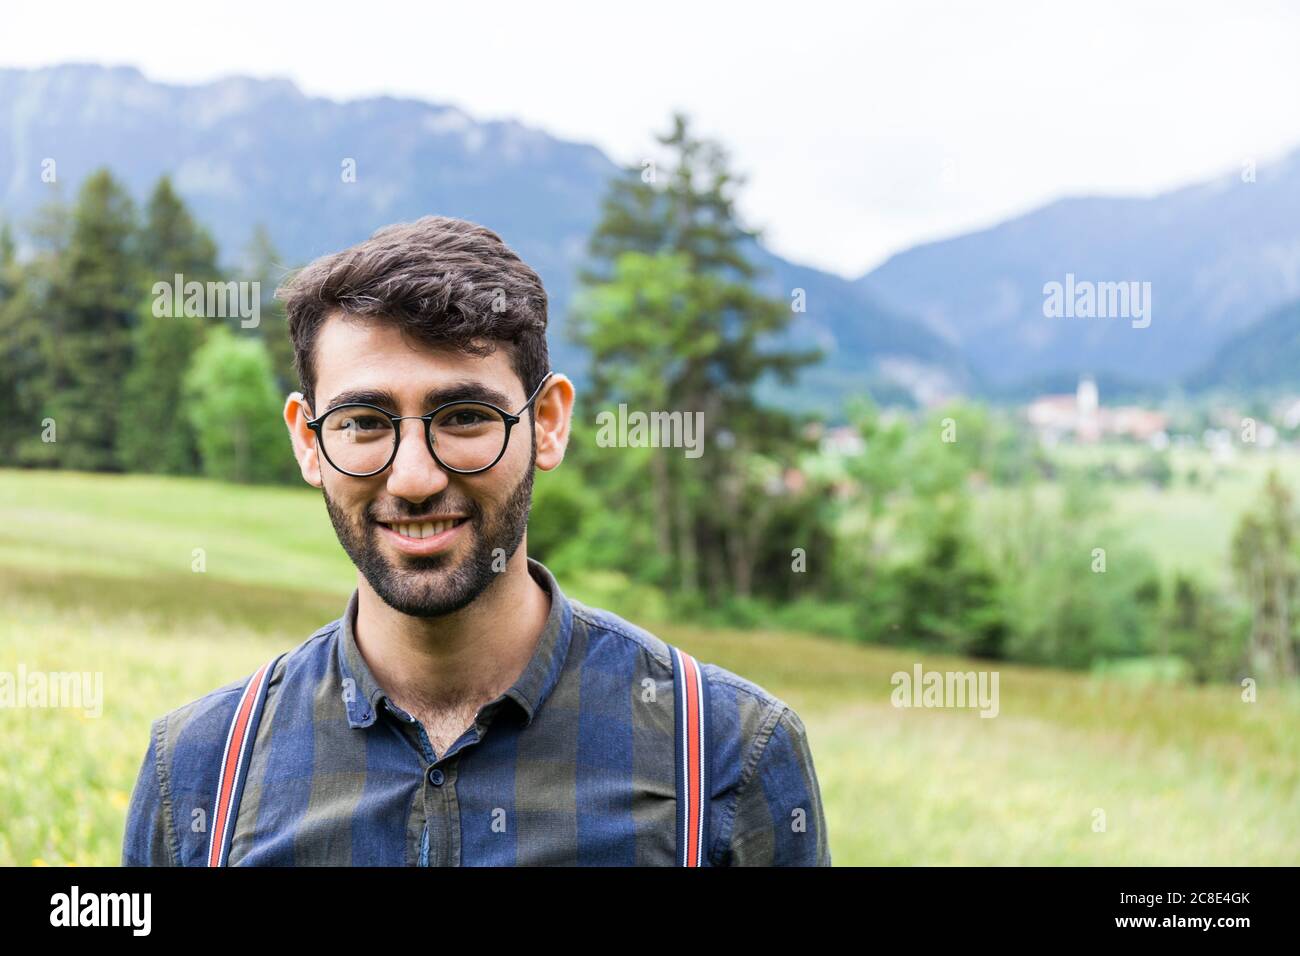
(306, 410)
(537, 391)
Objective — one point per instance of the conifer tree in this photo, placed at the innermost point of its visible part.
(155, 433)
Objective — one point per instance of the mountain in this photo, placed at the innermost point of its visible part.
(1217, 255)
(1264, 355)
(246, 151)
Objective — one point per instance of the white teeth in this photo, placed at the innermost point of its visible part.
(425, 529)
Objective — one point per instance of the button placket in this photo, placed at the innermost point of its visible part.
(441, 840)
(451, 815)
(426, 851)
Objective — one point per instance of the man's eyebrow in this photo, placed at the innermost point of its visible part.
(365, 396)
(466, 390)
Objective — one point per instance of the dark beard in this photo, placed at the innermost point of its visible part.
(415, 588)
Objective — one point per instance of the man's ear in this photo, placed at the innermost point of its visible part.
(304, 439)
(554, 408)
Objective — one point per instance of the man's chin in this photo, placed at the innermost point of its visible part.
(433, 574)
(423, 593)
(424, 585)
(399, 562)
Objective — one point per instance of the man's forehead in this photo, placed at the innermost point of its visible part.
(360, 352)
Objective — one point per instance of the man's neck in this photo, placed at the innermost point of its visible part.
(443, 669)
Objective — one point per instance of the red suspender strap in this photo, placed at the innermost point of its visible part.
(691, 707)
(691, 752)
(234, 763)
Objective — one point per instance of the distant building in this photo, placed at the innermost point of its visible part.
(843, 441)
(1082, 418)
(1087, 397)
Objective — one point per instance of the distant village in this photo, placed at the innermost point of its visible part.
(1080, 418)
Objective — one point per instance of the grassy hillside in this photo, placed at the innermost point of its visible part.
(96, 575)
(1187, 526)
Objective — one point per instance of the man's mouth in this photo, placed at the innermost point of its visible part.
(419, 529)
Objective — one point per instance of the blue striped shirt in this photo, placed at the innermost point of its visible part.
(573, 765)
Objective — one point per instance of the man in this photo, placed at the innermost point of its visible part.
(463, 711)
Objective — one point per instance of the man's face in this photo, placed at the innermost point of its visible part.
(485, 515)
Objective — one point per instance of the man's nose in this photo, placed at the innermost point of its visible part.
(414, 474)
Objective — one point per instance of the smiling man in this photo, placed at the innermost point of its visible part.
(462, 711)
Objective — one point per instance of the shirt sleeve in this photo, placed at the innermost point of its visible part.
(145, 842)
(779, 819)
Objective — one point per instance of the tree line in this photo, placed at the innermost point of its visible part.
(98, 377)
(897, 541)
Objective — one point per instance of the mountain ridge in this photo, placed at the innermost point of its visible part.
(1219, 254)
(244, 151)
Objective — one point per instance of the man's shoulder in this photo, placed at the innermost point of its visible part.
(742, 700)
(180, 776)
(760, 749)
(201, 725)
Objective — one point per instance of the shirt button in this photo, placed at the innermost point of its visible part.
(435, 776)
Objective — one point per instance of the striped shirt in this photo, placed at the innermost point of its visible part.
(573, 765)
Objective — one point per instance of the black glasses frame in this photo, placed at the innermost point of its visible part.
(511, 420)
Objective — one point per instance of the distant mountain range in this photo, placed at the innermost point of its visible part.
(1217, 255)
(1265, 355)
(244, 151)
(960, 315)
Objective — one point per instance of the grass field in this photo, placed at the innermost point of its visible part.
(96, 574)
(1187, 526)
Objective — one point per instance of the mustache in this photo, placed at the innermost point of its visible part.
(405, 511)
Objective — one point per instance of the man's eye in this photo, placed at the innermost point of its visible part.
(361, 423)
(464, 418)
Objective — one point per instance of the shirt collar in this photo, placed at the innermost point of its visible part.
(362, 694)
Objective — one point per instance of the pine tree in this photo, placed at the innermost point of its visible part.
(701, 348)
(262, 263)
(1264, 559)
(155, 433)
(32, 338)
(90, 308)
(20, 351)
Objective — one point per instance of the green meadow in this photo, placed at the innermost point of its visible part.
(98, 573)
(1188, 525)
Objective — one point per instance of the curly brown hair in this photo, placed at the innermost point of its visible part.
(447, 282)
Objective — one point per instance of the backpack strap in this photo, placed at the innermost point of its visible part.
(235, 760)
(692, 750)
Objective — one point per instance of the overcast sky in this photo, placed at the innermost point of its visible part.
(863, 129)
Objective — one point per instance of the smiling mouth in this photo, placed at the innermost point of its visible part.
(417, 530)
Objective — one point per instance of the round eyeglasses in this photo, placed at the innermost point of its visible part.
(361, 440)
